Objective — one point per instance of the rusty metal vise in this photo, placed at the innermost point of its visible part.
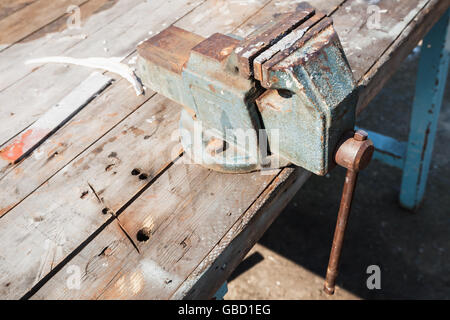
(285, 94)
(288, 84)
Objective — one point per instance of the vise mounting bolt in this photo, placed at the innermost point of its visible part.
(283, 95)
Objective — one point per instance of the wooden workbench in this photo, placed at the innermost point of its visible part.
(105, 207)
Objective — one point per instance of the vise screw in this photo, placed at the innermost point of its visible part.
(283, 95)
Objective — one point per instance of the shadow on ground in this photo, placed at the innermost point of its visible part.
(411, 249)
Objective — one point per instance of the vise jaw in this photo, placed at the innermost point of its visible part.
(290, 80)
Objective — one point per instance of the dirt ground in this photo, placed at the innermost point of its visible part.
(412, 250)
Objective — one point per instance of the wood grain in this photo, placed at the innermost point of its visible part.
(65, 210)
(54, 118)
(55, 38)
(196, 238)
(221, 261)
(363, 40)
(50, 83)
(31, 18)
(115, 204)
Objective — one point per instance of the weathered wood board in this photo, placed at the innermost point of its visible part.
(30, 18)
(54, 118)
(114, 174)
(56, 37)
(44, 88)
(149, 172)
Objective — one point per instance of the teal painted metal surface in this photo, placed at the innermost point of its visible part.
(222, 99)
(298, 90)
(320, 108)
(220, 294)
(387, 149)
(430, 86)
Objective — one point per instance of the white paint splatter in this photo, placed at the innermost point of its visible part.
(109, 64)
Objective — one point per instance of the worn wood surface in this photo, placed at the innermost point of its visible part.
(54, 118)
(31, 18)
(114, 174)
(116, 39)
(55, 38)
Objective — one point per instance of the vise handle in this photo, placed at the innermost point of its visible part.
(354, 154)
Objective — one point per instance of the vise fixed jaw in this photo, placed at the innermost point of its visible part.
(290, 80)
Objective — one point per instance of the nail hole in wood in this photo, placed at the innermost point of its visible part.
(135, 172)
(143, 234)
(143, 176)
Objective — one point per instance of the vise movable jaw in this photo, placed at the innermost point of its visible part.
(288, 84)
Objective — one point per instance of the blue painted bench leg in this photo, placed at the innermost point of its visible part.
(220, 294)
(430, 87)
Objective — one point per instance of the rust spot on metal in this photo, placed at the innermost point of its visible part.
(170, 48)
(227, 51)
(217, 47)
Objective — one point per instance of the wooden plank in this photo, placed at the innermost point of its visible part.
(8, 7)
(54, 118)
(209, 276)
(93, 283)
(220, 262)
(89, 125)
(51, 82)
(33, 172)
(55, 38)
(92, 168)
(363, 41)
(65, 214)
(119, 287)
(31, 18)
(30, 174)
(220, 16)
(186, 219)
(385, 67)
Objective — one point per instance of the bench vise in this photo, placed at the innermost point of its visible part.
(286, 90)
(284, 95)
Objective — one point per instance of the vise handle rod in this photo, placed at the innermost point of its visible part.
(354, 154)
